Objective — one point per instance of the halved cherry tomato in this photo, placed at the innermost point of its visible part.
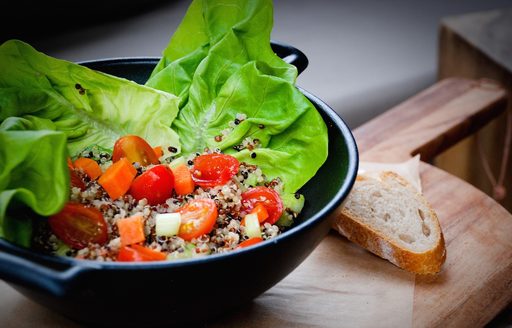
(137, 253)
(198, 217)
(155, 185)
(135, 149)
(76, 180)
(77, 225)
(214, 169)
(249, 242)
(266, 196)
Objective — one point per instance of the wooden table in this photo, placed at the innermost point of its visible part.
(476, 280)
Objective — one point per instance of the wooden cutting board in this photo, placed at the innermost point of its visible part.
(476, 280)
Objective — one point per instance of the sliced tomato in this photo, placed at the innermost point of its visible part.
(198, 217)
(215, 169)
(267, 197)
(76, 180)
(155, 185)
(249, 242)
(135, 149)
(138, 253)
(77, 225)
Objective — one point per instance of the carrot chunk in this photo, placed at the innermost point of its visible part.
(116, 180)
(158, 151)
(261, 211)
(183, 183)
(131, 230)
(89, 166)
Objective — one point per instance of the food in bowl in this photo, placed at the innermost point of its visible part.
(218, 88)
(137, 205)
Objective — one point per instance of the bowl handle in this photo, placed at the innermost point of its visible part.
(290, 54)
(30, 274)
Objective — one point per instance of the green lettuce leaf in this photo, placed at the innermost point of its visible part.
(221, 63)
(88, 106)
(50, 109)
(33, 174)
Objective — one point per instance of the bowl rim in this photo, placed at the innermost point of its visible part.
(328, 209)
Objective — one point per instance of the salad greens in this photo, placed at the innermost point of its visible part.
(218, 85)
(221, 64)
(30, 175)
(51, 109)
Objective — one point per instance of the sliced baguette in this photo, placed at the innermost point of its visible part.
(390, 218)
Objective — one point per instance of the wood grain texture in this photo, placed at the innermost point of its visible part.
(474, 284)
(478, 45)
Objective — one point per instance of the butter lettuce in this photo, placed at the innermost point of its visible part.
(51, 109)
(33, 174)
(221, 64)
(90, 107)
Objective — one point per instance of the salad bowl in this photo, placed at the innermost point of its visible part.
(196, 290)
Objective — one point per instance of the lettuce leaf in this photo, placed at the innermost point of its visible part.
(88, 106)
(33, 173)
(221, 63)
(50, 109)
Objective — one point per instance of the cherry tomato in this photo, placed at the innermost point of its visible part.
(215, 169)
(135, 149)
(77, 225)
(155, 185)
(137, 253)
(76, 180)
(198, 217)
(266, 196)
(249, 242)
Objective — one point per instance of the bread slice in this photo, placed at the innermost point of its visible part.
(391, 219)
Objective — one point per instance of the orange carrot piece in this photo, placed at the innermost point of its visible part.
(116, 180)
(183, 183)
(158, 151)
(249, 242)
(131, 230)
(261, 211)
(89, 166)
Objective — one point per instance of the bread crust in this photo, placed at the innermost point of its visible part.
(428, 262)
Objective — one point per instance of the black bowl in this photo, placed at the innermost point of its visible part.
(191, 290)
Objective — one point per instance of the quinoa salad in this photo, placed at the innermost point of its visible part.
(169, 208)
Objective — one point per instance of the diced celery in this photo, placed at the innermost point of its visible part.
(167, 224)
(252, 180)
(62, 249)
(177, 161)
(252, 225)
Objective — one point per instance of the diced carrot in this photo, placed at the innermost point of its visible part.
(249, 242)
(89, 166)
(261, 211)
(116, 180)
(131, 230)
(183, 183)
(158, 151)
